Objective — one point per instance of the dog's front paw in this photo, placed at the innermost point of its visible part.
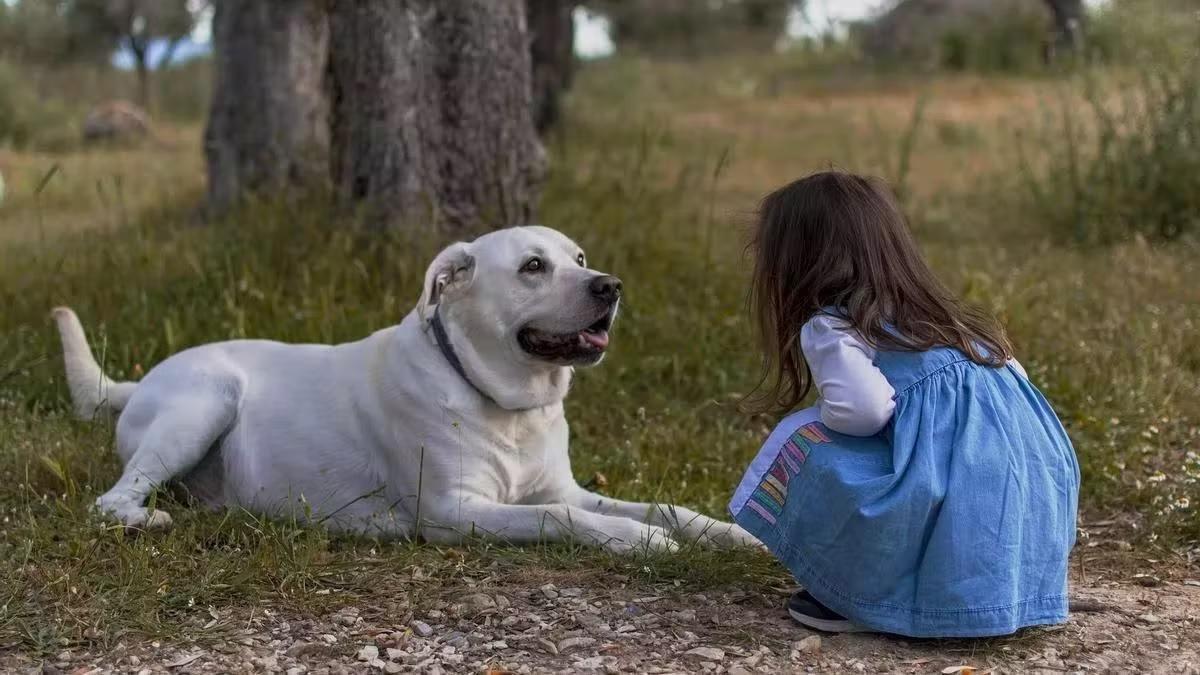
(133, 516)
(642, 539)
(728, 535)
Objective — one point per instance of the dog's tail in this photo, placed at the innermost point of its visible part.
(92, 392)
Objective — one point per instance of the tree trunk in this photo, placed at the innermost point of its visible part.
(138, 50)
(268, 124)
(143, 80)
(432, 112)
(1068, 27)
(552, 50)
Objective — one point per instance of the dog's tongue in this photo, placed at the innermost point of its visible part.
(597, 339)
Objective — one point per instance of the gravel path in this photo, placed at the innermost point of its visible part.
(1135, 624)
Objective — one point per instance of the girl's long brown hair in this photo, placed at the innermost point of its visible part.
(838, 240)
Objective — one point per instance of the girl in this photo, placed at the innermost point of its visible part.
(931, 492)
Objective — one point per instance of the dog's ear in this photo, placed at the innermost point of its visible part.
(450, 272)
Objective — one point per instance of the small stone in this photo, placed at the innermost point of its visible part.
(295, 671)
(392, 668)
(588, 620)
(550, 591)
(421, 628)
(706, 653)
(549, 646)
(395, 654)
(590, 663)
(1149, 618)
(684, 615)
(436, 614)
(135, 661)
(575, 643)
(502, 602)
(455, 639)
(571, 592)
(738, 670)
(368, 653)
(809, 645)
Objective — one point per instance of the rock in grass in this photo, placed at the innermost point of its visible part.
(116, 121)
(422, 629)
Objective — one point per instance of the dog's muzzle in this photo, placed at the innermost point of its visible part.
(586, 345)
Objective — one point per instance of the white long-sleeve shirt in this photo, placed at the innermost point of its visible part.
(854, 396)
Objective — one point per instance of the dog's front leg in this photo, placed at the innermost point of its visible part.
(683, 522)
(528, 523)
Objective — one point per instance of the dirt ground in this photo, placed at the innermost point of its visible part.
(549, 623)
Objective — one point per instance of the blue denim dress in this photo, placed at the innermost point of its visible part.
(955, 521)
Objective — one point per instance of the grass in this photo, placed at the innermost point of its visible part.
(654, 175)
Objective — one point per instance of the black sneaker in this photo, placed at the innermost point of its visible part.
(808, 612)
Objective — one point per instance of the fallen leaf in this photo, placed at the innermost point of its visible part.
(961, 670)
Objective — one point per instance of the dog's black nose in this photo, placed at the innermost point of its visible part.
(606, 288)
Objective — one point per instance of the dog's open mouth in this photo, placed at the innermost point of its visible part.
(580, 346)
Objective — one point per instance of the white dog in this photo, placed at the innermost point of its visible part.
(448, 425)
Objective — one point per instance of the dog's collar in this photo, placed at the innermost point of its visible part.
(443, 343)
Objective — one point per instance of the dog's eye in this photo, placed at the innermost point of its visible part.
(580, 260)
(533, 265)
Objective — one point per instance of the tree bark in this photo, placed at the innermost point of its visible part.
(432, 112)
(268, 124)
(552, 51)
(138, 50)
(1068, 16)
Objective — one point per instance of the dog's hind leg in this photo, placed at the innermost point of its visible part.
(181, 430)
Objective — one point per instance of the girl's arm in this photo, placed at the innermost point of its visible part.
(1019, 367)
(855, 397)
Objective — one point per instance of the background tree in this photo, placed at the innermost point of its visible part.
(1069, 16)
(432, 114)
(133, 25)
(268, 122)
(552, 52)
(38, 32)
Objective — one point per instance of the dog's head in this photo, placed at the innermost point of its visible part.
(521, 308)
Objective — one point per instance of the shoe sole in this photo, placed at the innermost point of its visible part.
(827, 625)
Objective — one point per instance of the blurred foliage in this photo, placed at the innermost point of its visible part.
(28, 120)
(959, 35)
(1123, 167)
(59, 31)
(690, 28)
